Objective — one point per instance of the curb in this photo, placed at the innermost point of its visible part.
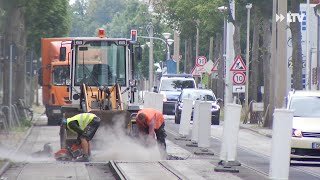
(7, 164)
(256, 131)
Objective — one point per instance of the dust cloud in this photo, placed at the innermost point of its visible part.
(113, 143)
(25, 157)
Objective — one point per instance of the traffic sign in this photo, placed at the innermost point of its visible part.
(197, 71)
(238, 65)
(208, 66)
(238, 89)
(201, 60)
(239, 78)
(215, 66)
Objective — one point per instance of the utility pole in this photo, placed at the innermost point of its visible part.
(10, 84)
(273, 62)
(282, 66)
(229, 55)
(150, 31)
(185, 57)
(308, 60)
(197, 39)
(210, 58)
(176, 49)
(249, 6)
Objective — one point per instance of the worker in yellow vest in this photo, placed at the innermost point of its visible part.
(85, 125)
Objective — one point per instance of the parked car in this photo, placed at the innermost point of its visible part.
(305, 142)
(171, 86)
(202, 95)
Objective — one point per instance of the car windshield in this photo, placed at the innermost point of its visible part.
(198, 95)
(100, 63)
(305, 106)
(176, 85)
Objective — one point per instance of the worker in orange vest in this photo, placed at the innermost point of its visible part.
(150, 121)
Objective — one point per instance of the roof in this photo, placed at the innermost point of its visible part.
(177, 75)
(199, 90)
(304, 93)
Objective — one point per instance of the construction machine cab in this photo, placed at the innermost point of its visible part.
(101, 73)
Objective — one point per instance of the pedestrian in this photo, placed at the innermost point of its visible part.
(85, 126)
(151, 122)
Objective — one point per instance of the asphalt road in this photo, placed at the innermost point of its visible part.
(254, 152)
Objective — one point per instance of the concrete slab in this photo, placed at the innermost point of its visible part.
(192, 144)
(145, 170)
(42, 171)
(204, 152)
(199, 169)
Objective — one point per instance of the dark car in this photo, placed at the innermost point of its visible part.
(202, 95)
(171, 87)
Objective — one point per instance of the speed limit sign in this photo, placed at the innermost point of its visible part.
(201, 60)
(239, 78)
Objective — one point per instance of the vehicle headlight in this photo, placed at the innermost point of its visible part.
(215, 107)
(164, 96)
(296, 133)
(180, 106)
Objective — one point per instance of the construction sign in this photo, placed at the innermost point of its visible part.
(238, 65)
(197, 71)
(215, 66)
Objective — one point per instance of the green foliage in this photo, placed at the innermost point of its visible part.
(89, 15)
(184, 14)
(46, 19)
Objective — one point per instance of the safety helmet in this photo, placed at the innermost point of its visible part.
(64, 121)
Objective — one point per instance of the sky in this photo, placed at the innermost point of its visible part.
(71, 1)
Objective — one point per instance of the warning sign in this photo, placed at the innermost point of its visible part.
(197, 71)
(238, 65)
(215, 66)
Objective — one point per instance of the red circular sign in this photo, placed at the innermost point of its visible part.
(239, 78)
(201, 60)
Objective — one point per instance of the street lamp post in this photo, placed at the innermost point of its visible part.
(248, 6)
(168, 43)
(224, 9)
(317, 12)
(150, 32)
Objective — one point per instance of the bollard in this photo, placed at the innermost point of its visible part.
(281, 144)
(153, 100)
(195, 126)
(204, 132)
(184, 126)
(228, 151)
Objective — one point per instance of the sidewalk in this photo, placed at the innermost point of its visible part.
(257, 129)
(11, 141)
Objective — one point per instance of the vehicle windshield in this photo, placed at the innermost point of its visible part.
(198, 95)
(176, 85)
(305, 106)
(60, 75)
(100, 63)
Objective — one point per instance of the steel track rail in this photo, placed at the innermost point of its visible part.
(120, 174)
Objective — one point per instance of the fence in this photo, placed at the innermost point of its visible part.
(19, 106)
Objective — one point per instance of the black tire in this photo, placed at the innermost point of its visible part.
(53, 121)
(216, 119)
(177, 119)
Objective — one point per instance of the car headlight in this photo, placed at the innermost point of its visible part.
(180, 106)
(215, 107)
(296, 133)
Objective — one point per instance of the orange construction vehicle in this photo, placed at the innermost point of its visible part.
(53, 77)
